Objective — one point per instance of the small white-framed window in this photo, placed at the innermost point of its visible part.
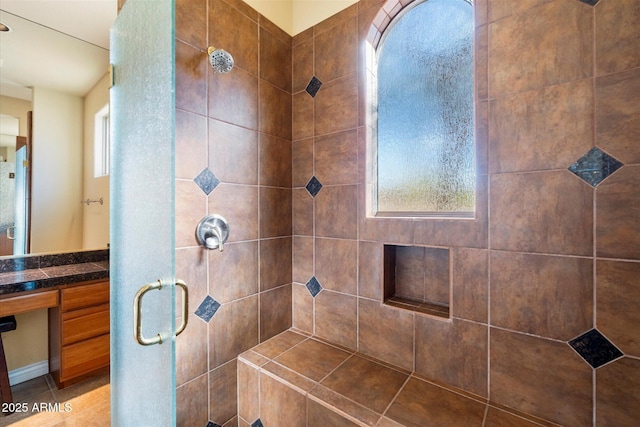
(102, 143)
(423, 144)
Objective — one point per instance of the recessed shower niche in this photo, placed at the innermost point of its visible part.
(417, 278)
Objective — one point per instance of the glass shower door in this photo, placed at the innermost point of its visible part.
(21, 209)
(142, 215)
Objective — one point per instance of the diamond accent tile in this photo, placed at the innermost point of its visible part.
(314, 86)
(212, 424)
(595, 349)
(257, 423)
(313, 186)
(207, 308)
(313, 286)
(207, 181)
(595, 166)
(590, 2)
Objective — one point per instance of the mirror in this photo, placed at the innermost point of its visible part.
(13, 186)
(54, 61)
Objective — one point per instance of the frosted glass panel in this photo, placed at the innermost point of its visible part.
(426, 157)
(7, 211)
(7, 196)
(142, 212)
(20, 242)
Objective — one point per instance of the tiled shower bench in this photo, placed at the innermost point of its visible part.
(296, 380)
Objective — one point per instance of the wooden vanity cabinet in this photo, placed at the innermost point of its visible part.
(79, 332)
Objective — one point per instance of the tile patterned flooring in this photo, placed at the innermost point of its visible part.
(85, 404)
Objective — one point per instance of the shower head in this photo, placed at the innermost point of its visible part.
(221, 60)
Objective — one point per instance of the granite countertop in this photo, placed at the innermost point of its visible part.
(31, 273)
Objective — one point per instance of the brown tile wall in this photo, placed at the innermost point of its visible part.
(422, 275)
(547, 258)
(238, 125)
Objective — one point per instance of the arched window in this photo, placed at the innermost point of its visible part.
(425, 155)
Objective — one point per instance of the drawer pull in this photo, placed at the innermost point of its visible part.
(137, 310)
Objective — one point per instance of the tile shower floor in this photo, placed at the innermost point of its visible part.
(85, 404)
(339, 387)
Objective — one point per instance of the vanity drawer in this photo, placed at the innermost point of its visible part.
(24, 303)
(84, 296)
(79, 332)
(85, 323)
(84, 357)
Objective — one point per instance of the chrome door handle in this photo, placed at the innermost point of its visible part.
(9, 236)
(137, 312)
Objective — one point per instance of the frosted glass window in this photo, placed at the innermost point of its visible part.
(102, 143)
(425, 126)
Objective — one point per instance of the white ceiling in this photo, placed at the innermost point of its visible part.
(63, 44)
(58, 44)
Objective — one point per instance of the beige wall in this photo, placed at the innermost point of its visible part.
(295, 16)
(29, 343)
(95, 233)
(307, 13)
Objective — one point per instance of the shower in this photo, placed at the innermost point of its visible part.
(221, 60)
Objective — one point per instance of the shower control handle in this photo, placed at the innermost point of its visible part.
(214, 241)
(212, 232)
